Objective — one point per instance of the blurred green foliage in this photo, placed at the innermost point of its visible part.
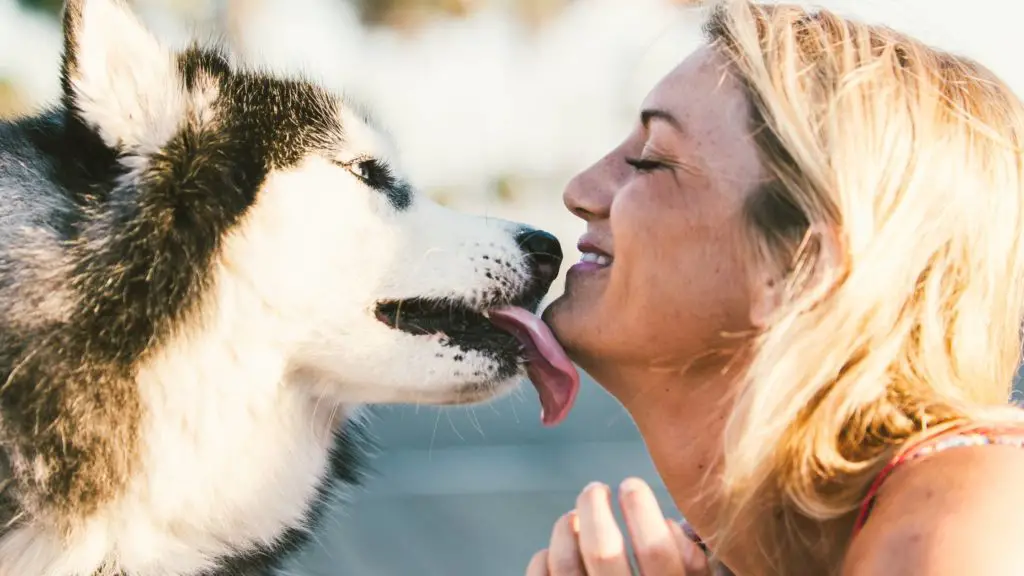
(374, 10)
(50, 6)
(402, 13)
(397, 13)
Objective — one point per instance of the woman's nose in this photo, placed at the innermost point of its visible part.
(589, 195)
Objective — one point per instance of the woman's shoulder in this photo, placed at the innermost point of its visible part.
(955, 512)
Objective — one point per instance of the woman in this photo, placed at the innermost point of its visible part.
(810, 292)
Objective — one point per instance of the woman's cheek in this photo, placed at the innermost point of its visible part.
(627, 214)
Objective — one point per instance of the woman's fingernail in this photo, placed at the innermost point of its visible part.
(595, 486)
(631, 486)
(574, 522)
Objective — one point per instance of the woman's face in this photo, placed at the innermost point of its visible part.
(663, 274)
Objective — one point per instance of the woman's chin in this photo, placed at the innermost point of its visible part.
(573, 324)
(565, 316)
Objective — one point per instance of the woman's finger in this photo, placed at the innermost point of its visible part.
(654, 544)
(563, 558)
(695, 561)
(601, 543)
(538, 565)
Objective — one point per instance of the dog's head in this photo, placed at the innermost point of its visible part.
(373, 292)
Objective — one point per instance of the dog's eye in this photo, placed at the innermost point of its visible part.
(371, 171)
(361, 170)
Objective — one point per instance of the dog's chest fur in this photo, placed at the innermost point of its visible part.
(233, 468)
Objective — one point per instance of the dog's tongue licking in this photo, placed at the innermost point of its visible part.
(548, 367)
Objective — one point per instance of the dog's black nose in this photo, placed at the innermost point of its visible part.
(544, 253)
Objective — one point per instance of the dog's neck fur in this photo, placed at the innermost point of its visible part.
(231, 455)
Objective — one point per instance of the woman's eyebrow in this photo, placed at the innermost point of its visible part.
(649, 114)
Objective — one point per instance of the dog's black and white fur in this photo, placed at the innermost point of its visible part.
(204, 271)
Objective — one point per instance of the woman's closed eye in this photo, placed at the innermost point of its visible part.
(647, 164)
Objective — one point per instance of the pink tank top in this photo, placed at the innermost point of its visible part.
(963, 434)
(944, 438)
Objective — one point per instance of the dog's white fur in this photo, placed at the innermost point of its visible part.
(239, 408)
(126, 83)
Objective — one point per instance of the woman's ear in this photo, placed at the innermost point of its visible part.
(813, 270)
(765, 298)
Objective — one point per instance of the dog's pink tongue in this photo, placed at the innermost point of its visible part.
(548, 367)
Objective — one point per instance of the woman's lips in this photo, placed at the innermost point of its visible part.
(593, 258)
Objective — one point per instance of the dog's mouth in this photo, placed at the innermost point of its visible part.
(423, 317)
(511, 333)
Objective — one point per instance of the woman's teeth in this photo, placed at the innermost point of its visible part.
(599, 259)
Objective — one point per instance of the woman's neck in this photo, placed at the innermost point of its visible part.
(682, 418)
(683, 431)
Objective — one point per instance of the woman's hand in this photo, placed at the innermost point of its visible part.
(588, 542)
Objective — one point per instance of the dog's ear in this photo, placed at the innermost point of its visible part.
(117, 78)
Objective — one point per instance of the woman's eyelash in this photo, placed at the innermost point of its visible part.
(645, 165)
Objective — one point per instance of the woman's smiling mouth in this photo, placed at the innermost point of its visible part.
(592, 259)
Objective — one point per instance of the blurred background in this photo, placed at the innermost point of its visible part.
(494, 105)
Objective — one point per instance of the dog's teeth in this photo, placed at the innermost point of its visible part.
(486, 314)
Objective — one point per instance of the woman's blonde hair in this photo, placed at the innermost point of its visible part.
(893, 218)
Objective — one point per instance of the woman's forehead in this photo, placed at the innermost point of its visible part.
(698, 85)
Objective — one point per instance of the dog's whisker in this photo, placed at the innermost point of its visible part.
(476, 422)
(454, 428)
(433, 436)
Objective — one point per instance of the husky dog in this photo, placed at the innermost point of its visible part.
(204, 271)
